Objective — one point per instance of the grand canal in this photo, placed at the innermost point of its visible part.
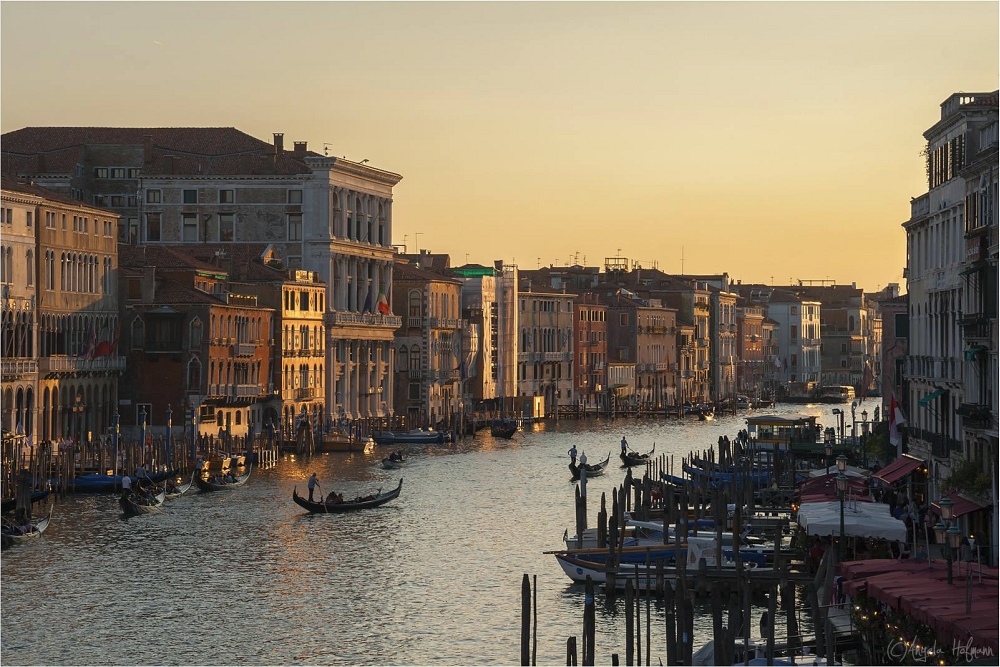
(248, 578)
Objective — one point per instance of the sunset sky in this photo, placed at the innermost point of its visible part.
(773, 141)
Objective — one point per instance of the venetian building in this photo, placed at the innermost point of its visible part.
(942, 286)
(18, 276)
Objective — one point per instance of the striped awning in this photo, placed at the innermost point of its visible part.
(898, 469)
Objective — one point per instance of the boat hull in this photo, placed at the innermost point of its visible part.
(339, 508)
(206, 486)
(131, 507)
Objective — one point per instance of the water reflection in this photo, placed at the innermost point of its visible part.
(247, 577)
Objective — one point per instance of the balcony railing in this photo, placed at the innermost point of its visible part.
(245, 390)
(448, 375)
(975, 326)
(243, 349)
(662, 366)
(303, 393)
(12, 367)
(444, 323)
(554, 356)
(343, 317)
(975, 416)
(416, 373)
(414, 322)
(75, 364)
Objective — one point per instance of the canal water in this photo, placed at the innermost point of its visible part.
(247, 577)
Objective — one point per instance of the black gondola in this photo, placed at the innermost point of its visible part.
(205, 485)
(635, 458)
(593, 469)
(330, 506)
(133, 503)
(503, 428)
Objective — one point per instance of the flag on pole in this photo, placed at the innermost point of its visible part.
(383, 303)
(114, 343)
(103, 348)
(90, 341)
(368, 303)
(896, 419)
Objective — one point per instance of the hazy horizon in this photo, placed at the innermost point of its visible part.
(543, 133)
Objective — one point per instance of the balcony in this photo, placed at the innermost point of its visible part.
(975, 416)
(443, 323)
(14, 368)
(553, 356)
(79, 364)
(975, 326)
(245, 390)
(414, 322)
(416, 373)
(662, 366)
(243, 349)
(448, 376)
(305, 393)
(346, 318)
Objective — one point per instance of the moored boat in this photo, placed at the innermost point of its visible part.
(503, 428)
(16, 534)
(415, 436)
(135, 503)
(222, 482)
(10, 504)
(335, 504)
(593, 469)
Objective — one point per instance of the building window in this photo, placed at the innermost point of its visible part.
(117, 201)
(152, 196)
(189, 227)
(153, 226)
(133, 201)
(30, 218)
(793, 332)
(100, 172)
(100, 200)
(227, 196)
(118, 172)
(226, 227)
(795, 360)
(794, 310)
(133, 172)
(195, 333)
(623, 319)
(30, 257)
(295, 228)
(295, 196)
(194, 375)
(414, 393)
(138, 332)
(190, 196)
(295, 261)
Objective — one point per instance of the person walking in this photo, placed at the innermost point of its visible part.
(313, 483)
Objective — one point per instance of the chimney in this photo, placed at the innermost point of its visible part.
(279, 143)
(147, 149)
(300, 146)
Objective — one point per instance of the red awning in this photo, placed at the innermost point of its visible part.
(959, 505)
(898, 469)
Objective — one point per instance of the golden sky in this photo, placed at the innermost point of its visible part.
(773, 141)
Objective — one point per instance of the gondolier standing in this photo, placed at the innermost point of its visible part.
(313, 483)
(624, 446)
(572, 455)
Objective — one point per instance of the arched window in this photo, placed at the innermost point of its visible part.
(218, 419)
(414, 298)
(195, 333)
(30, 257)
(239, 417)
(404, 359)
(414, 358)
(138, 334)
(194, 375)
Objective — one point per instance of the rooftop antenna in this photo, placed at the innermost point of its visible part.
(326, 149)
(416, 241)
(682, 260)
(405, 249)
(538, 262)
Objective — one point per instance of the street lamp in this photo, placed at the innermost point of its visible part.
(840, 413)
(947, 533)
(841, 492)
(841, 464)
(78, 408)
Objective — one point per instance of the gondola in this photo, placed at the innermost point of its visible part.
(635, 458)
(133, 504)
(328, 507)
(394, 461)
(593, 469)
(179, 491)
(13, 534)
(10, 504)
(503, 428)
(205, 485)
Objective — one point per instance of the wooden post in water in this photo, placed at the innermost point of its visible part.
(629, 624)
(581, 516)
(792, 639)
(589, 623)
(525, 620)
(571, 652)
(534, 615)
(602, 523)
(772, 600)
(670, 607)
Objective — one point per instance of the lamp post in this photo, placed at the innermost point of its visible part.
(947, 533)
(828, 448)
(841, 492)
(864, 434)
(78, 408)
(169, 424)
(840, 413)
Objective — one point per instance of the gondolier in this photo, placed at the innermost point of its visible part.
(313, 483)
(126, 485)
(572, 455)
(624, 446)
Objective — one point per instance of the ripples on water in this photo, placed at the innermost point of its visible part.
(247, 578)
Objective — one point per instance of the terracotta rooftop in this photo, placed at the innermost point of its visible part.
(15, 184)
(191, 140)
